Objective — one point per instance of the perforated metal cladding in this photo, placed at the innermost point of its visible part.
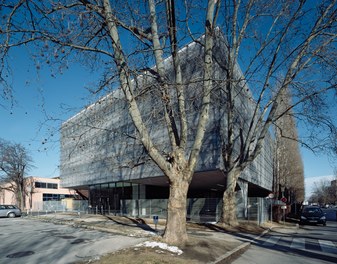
(100, 144)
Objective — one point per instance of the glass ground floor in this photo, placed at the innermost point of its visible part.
(113, 197)
(140, 200)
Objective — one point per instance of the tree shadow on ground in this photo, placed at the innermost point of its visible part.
(243, 230)
(135, 222)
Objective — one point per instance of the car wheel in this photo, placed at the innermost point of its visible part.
(11, 215)
(324, 224)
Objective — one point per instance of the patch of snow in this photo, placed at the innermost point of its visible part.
(96, 258)
(151, 233)
(153, 244)
(142, 233)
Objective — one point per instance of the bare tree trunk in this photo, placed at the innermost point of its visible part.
(19, 197)
(175, 231)
(228, 216)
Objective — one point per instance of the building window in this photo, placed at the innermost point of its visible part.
(40, 185)
(46, 185)
(51, 185)
(51, 197)
(56, 197)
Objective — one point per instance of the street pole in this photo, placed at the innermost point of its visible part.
(271, 211)
(271, 197)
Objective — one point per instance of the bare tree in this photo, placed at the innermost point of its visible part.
(279, 45)
(15, 162)
(99, 33)
(289, 171)
(325, 192)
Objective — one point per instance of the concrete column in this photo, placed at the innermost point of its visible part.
(244, 196)
(138, 194)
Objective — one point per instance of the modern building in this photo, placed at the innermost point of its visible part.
(38, 191)
(100, 151)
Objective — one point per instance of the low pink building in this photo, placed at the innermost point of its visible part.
(38, 190)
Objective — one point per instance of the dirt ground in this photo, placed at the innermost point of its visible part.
(206, 244)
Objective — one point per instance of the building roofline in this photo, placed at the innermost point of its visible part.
(147, 72)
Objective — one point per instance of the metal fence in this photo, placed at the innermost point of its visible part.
(59, 206)
(199, 210)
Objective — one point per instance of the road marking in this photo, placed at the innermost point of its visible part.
(298, 243)
(271, 241)
(328, 246)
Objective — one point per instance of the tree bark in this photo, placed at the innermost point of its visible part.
(175, 232)
(228, 215)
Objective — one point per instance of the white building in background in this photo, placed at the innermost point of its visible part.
(38, 190)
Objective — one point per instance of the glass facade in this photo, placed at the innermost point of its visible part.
(106, 198)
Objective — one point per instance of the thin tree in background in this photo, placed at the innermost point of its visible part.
(324, 192)
(15, 163)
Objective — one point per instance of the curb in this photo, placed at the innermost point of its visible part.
(231, 255)
(236, 252)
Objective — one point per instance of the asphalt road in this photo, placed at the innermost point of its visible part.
(309, 244)
(29, 241)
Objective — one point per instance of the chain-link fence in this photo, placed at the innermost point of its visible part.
(198, 209)
(66, 205)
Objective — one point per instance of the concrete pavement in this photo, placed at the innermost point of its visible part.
(27, 241)
(234, 243)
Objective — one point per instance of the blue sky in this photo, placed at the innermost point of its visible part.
(41, 103)
(38, 96)
(316, 168)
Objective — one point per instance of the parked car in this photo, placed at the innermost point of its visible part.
(312, 215)
(9, 211)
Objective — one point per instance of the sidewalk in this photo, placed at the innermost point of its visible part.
(208, 243)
